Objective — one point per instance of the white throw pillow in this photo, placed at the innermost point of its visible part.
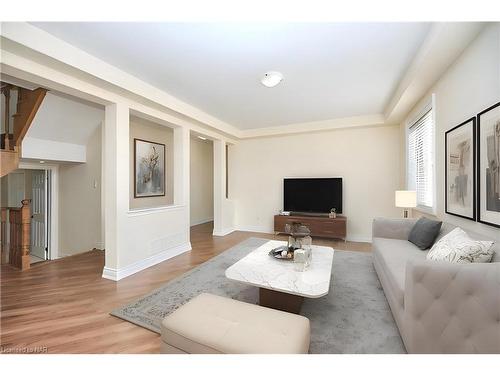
(458, 247)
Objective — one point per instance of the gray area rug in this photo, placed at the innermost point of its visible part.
(353, 318)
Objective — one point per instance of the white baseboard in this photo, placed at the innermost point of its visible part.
(257, 229)
(99, 246)
(118, 274)
(202, 221)
(359, 239)
(223, 232)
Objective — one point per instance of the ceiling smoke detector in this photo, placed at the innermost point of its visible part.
(271, 79)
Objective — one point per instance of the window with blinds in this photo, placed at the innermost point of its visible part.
(421, 160)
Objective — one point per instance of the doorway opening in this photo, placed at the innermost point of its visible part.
(40, 215)
(201, 183)
(32, 185)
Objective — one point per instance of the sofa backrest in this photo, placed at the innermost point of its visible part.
(448, 227)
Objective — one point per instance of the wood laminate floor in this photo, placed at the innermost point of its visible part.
(63, 306)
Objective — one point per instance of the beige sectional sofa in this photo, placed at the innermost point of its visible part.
(439, 307)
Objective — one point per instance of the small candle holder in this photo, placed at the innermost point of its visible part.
(306, 243)
(302, 259)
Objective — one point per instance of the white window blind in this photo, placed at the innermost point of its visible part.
(421, 160)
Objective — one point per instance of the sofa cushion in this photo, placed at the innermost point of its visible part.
(448, 227)
(393, 256)
(424, 232)
(458, 247)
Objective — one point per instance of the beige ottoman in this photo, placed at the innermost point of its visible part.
(212, 324)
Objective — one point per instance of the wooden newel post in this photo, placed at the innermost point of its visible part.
(26, 234)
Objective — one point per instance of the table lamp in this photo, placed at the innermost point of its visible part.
(406, 199)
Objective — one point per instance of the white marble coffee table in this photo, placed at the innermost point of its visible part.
(281, 286)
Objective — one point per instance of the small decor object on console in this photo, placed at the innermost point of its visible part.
(333, 213)
(488, 133)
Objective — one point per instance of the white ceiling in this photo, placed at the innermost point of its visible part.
(331, 70)
(65, 119)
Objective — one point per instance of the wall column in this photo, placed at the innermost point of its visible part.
(181, 171)
(222, 223)
(116, 183)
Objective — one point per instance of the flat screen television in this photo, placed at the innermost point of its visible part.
(312, 195)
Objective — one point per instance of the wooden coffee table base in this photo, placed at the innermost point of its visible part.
(280, 301)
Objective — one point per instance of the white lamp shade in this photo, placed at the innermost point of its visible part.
(406, 198)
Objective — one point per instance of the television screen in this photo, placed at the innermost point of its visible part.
(312, 194)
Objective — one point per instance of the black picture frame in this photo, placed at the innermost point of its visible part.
(136, 194)
(479, 167)
(473, 175)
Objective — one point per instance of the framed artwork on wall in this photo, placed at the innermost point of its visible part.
(460, 170)
(149, 169)
(488, 174)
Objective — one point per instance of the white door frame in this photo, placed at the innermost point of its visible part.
(53, 240)
(37, 217)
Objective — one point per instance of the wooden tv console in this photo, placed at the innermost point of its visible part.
(320, 226)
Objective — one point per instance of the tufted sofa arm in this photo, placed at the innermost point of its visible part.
(452, 308)
(398, 229)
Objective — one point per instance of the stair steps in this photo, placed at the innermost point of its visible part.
(28, 102)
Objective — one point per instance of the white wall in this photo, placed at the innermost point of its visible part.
(34, 148)
(201, 181)
(366, 158)
(80, 227)
(470, 85)
(61, 129)
(65, 119)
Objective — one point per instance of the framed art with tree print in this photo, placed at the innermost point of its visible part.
(149, 169)
(488, 175)
(460, 170)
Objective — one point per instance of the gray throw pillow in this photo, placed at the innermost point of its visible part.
(424, 232)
